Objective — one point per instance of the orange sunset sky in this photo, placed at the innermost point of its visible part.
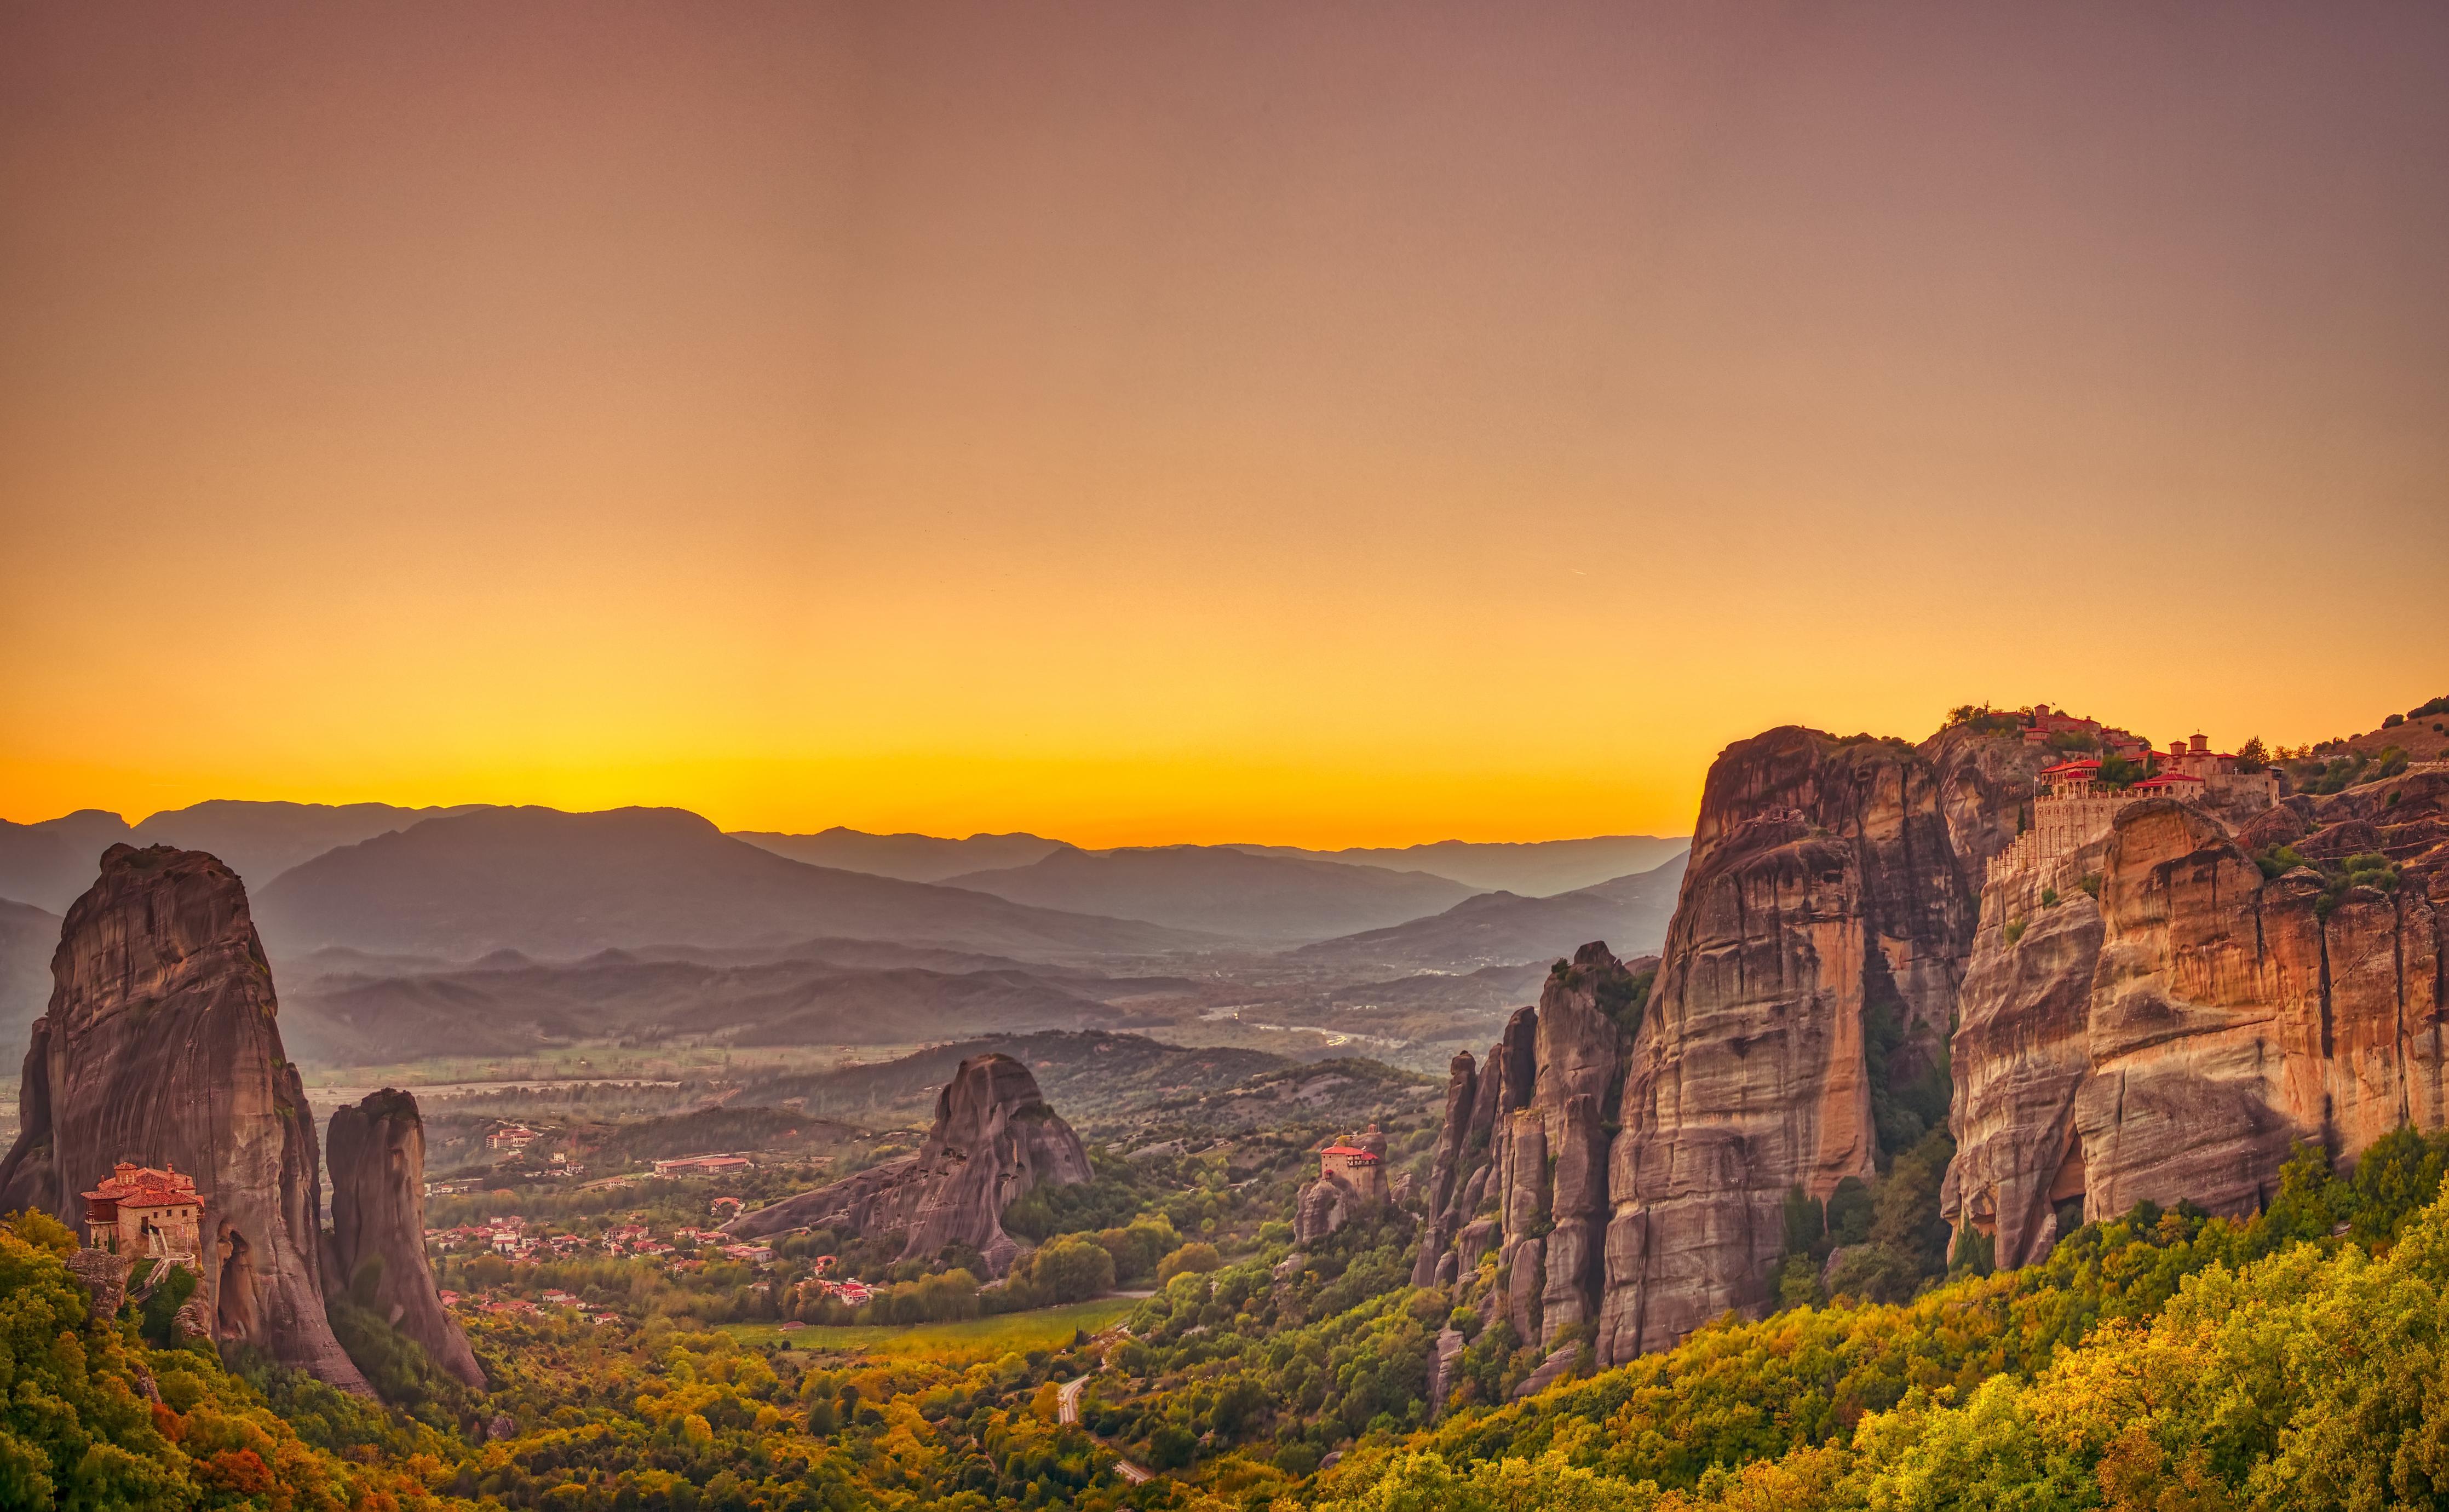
(1326, 424)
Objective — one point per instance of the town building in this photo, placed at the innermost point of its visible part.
(702, 1166)
(140, 1211)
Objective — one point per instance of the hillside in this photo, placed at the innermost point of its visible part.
(1532, 868)
(1109, 1085)
(48, 864)
(555, 883)
(1279, 900)
(1629, 913)
(2423, 732)
(27, 937)
(912, 858)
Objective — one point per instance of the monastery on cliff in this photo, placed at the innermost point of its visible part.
(2072, 806)
(140, 1211)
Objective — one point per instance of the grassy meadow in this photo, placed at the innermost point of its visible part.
(968, 1339)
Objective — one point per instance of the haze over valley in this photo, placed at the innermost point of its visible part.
(529, 936)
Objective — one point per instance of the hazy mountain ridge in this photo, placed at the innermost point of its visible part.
(1537, 868)
(1629, 913)
(52, 863)
(1276, 899)
(28, 935)
(1533, 868)
(554, 884)
(910, 857)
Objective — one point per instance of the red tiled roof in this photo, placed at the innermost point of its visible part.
(144, 1187)
(2086, 766)
(1342, 1150)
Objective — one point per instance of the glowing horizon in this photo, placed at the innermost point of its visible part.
(1141, 425)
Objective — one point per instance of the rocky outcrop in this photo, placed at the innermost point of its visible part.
(103, 1275)
(1810, 975)
(1445, 1171)
(160, 1046)
(1321, 1208)
(1525, 1143)
(2175, 1039)
(2147, 1018)
(994, 1139)
(1830, 894)
(1448, 1350)
(376, 1154)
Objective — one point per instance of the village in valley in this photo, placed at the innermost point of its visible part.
(496, 1259)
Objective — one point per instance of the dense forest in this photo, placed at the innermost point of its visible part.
(2163, 1360)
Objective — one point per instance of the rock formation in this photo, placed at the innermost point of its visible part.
(1826, 888)
(1830, 905)
(994, 1139)
(160, 1046)
(2174, 1038)
(103, 1275)
(377, 1153)
(1526, 1141)
(2147, 1018)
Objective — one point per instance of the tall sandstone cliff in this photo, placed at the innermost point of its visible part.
(994, 1139)
(376, 1154)
(159, 1045)
(1839, 965)
(1831, 901)
(1822, 931)
(2176, 1038)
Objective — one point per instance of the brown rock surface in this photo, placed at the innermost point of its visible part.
(994, 1139)
(2169, 1039)
(103, 1275)
(377, 1153)
(160, 1045)
(2175, 1041)
(1462, 1090)
(1827, 883)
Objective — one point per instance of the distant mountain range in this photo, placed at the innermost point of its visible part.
(50, 864)
(1629, 913)
(386, 893)
(912, 858)
(1268, 899)
(1532, 869)
(1539, 868)
(560, 884)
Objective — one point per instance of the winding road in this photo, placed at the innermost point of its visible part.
(1068, 1400)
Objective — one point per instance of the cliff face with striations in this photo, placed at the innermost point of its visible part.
(2149, 1017)
(1520, 1168)
(1634, 1185)
(2174, 1038)
(159, 1045)
(1829, 909)
(376, 1154)
(994, 1139)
